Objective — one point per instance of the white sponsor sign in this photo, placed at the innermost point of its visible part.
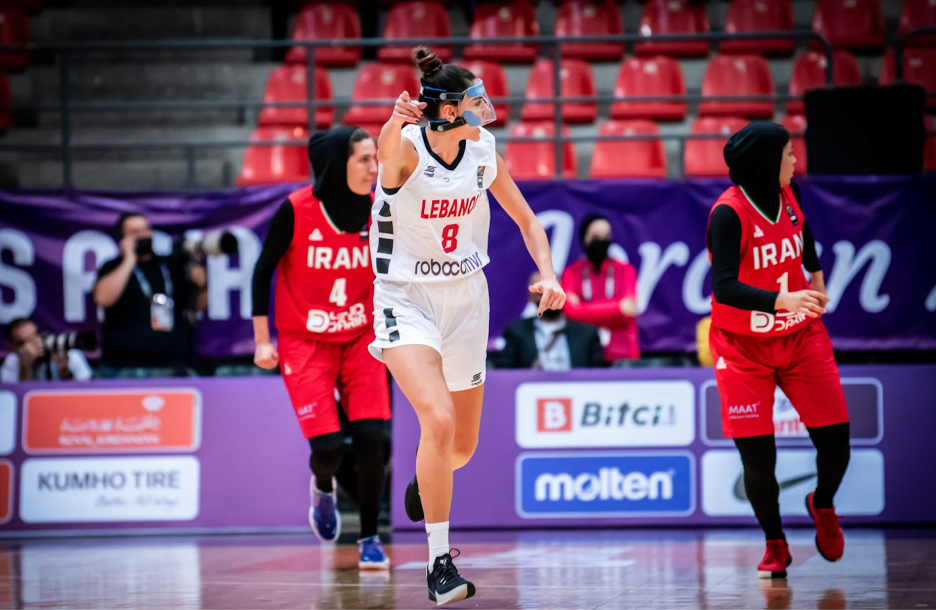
(861, 492)
(7, 422)
(71, 490)
(605, 414)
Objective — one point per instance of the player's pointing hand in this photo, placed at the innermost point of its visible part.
(406, 110)
(554, 296)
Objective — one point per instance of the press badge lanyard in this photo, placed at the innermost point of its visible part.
(586, 283)
(161, 305)
(145, 285)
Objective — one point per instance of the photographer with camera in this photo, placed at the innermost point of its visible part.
(43, 357)
(146, 332)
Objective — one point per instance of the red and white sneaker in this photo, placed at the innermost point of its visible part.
(776, 560)
(829, 538)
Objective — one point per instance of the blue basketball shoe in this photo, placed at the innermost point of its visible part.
(323, 514)
(372, 554)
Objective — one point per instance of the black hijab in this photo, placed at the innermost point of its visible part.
(754, 155)
(328, 154)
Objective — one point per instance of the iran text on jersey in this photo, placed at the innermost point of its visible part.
(434, 228)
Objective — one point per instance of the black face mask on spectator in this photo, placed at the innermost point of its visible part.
(597, 251)
(328, 154)
(144, 246)
(551, 315)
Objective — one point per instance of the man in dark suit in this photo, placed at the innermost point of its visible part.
(550, 343)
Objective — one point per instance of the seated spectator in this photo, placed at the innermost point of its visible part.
(146, 332)
(29, 360)
(550, 343)
(603, 292)
(703, 350)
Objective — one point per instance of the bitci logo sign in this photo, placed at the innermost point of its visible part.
(605, 414)
(554, 415)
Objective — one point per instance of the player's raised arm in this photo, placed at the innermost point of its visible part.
(397, 155)
(510, 198)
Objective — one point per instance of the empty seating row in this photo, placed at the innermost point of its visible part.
(657, 77)
(644, 158)
(857, 25)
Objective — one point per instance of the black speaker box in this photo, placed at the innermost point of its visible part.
(865, 130)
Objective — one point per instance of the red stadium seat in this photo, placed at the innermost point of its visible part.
(629, 159)
(6, 116)
(645, 77)
(416, 19)
(919, 69)
(14, 30)
(495, 20)
(796, 125)
(268, 164)
(809, 72)
(577, 81)
(30, 7)
(376, 81)
(495, 83)
(930, 150)
(857, 25)
(737, 75)
(759, 16)
(288, 84)
(589, 18)
(705, 157)
(918, 14)
(537, 160)
(326, 21)
(673, 17)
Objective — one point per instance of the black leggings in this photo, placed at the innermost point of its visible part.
(368, 442)
(759, 456)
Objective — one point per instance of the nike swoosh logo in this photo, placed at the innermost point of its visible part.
(741, 494)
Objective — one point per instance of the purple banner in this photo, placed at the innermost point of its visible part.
(644, 447)
(160, 454)
(872, 232)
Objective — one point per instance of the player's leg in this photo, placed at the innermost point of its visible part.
(365, 396)
(310, 371)
(811, 382)
(467, 424)
(746, 385)
(464, 325)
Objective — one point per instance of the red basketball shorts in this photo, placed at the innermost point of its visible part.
(748, 370)
(313, 370)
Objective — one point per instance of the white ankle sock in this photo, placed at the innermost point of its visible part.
(438, 540)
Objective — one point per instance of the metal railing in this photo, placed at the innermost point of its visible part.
(67, 107)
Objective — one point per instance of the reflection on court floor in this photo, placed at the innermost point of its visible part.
(611, 570)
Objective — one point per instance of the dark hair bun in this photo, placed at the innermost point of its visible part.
(427, 61)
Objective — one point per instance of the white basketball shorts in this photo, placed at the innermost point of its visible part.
(450, 317)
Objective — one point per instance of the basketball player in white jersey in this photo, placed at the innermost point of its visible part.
(429, 245)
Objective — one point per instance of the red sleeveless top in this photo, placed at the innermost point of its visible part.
(771, 259)
(324, 283)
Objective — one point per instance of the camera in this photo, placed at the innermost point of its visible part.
(52, 343)
(213, 243)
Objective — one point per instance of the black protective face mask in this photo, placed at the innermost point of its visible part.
(551, 315)
(597, 251)
(144, 246)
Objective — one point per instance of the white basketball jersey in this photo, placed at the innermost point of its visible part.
(434, 228)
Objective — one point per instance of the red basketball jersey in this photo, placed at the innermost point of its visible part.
(771, 259)
(324, 284)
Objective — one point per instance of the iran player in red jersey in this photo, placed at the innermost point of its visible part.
(318, 244)
(766, 332)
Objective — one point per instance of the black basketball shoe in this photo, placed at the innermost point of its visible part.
(413, 503)
(445, 585)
